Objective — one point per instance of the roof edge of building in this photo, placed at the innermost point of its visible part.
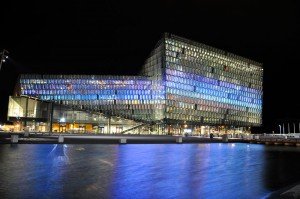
(218, 50)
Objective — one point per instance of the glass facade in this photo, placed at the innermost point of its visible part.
(211, 86)
(182, 83)
(125, 96)
(40, 116)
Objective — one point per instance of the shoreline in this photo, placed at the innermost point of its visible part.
(113, 139)
(291, 191)
(48, 138)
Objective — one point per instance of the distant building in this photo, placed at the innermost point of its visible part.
(184, 86)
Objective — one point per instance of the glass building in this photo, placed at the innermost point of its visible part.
(184, 86)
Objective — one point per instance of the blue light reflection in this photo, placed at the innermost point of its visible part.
(146, 170)
(189, 171)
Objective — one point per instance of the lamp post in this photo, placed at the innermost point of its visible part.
(3, 58)
(279, 128)
(294, 128)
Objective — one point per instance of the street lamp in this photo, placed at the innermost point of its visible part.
(294, 128)
(62, 120)
(279, 128)
(3, 57)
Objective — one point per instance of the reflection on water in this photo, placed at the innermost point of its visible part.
(146, 171)
(58, 154)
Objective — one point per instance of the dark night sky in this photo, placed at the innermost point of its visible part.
(110, 37)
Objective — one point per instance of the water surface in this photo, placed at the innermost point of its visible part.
(146, 170)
